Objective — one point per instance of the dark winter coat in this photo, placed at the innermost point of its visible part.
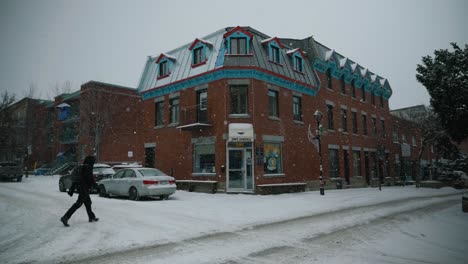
(82, 177)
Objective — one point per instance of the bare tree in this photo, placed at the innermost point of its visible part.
(32, 91)
(6, 122)
(97, 106)
(59, 89)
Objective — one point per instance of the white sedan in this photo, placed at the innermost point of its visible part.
(138, 182)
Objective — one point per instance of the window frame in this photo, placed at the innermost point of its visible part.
(163, 69)
(159, 113)
(344, 119)
(334, 163)
(297, 108)
(354, 122)
(174, 110)
(364, 124)
(273, 103)
(238, 46)
(241, 101)
(342, 85)
(330, 120)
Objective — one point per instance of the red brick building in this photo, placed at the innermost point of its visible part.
(99, 119)
(236, 107)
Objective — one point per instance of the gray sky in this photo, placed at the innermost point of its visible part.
(51, 42)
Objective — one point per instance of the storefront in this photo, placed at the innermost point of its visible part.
(240, 158)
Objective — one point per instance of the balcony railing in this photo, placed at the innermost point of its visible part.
(193, 117)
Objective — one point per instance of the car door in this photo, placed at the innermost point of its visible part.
(112, 184)
(128, 180)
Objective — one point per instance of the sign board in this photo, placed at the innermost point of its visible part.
(130, 154)
(405, 150)
(240, 132)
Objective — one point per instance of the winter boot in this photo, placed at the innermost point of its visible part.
(64, 220)
(94, 220)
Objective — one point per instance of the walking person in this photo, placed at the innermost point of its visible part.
(83, 183)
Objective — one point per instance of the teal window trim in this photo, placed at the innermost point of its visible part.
(298, 63)
(238, 35)
(274, 52)
(203, 56)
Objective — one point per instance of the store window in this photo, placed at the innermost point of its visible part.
(204, 158)
(273, 158)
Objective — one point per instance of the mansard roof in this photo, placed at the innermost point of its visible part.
(256, 64)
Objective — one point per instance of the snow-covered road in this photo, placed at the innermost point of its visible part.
(354, 224)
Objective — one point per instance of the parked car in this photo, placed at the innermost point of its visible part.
(42, 170)
(102, 171)
(138, 182)
(461, 180)
(126, 166)
(11, 171)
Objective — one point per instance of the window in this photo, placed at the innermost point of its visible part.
(344, 120)
(374, 126)
(395, 137)
(330, 116)
(363, 94)
(298, 64)
(342, 85)
(364, 124)
(334, 163)
(357, 162)
(329, 79)
(381, 101)
(297, 108)
(354, 121)
(382, 122)
(273, 103)
(239, 99)
(353, 90)
(238, 46)
(159, 113)
(174, 110)
(403, 139)
(204, 158)
(163, 69)
(198, 56)
(275, 54)
(273, 158)
(414, 141)
(372, 96)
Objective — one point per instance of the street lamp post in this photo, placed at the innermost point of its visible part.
(318, 116)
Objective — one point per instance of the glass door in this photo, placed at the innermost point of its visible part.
(240, 174)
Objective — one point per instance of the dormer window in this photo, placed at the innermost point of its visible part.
(238, 46)
(298, 64)
(200, 51)
(164, 62)
(163, 69)
(274, 49)
(298, 59)
(238, 41)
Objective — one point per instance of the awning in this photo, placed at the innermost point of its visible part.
(241, 132)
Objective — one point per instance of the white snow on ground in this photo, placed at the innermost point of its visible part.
(31, 230)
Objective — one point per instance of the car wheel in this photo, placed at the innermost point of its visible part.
(62, 186)
(102, 191)
(133, 194)
(164, 197)
(19, 178)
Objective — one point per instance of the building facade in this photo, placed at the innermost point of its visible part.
(237, 107)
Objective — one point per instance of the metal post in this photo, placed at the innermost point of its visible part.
(322, 189)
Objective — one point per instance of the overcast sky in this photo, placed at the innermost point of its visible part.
(46, 43)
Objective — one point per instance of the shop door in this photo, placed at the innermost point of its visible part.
(240, 170)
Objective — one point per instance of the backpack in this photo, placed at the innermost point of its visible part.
(76, 174)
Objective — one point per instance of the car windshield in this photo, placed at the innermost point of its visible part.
(103, 170)
(151, 172)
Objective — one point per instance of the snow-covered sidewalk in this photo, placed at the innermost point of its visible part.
(31, 230)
